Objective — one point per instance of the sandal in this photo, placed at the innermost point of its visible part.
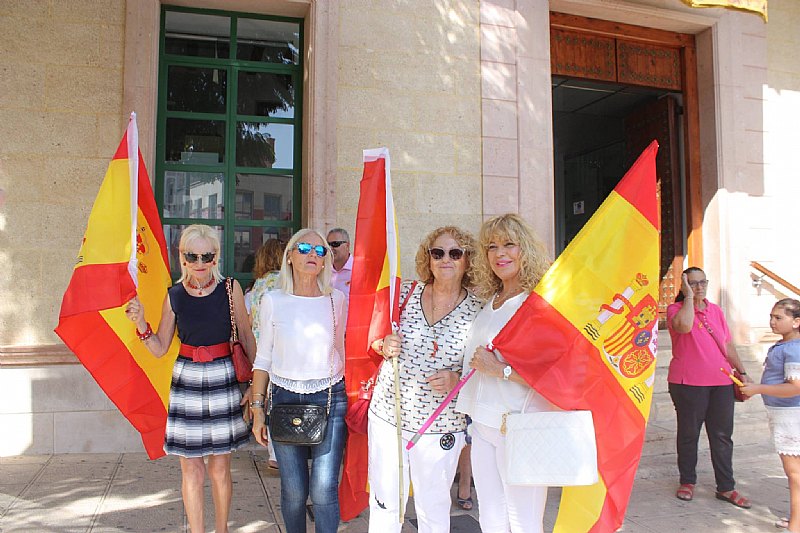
(465, 503)
(782, 523)
(733, 497)
(685, 492)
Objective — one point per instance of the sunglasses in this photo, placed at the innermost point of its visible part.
(305, 249)
(205, 258)
(438, 253)
(336, 244)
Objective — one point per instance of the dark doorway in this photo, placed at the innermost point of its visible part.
(599, 128)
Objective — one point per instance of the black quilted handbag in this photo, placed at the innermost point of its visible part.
(298, 424)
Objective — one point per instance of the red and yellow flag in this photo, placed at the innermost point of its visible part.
(754, 6)
(586, 339)
(374, 301)
(123, 248)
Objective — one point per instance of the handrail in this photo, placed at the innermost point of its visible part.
(774, 277)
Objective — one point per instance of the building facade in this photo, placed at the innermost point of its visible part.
(487, 107)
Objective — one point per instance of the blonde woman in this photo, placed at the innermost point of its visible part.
(205, 417)
(509, 263)
(301, 357)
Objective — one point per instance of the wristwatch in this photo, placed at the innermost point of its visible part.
(507, 372)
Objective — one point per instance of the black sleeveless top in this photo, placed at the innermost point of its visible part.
(201, 320)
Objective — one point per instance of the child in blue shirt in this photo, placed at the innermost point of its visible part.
(780, 389)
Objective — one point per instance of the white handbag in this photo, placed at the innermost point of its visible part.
(550, 448)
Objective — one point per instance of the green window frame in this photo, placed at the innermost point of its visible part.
(213, 140)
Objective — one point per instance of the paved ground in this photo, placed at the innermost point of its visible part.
(126, 492)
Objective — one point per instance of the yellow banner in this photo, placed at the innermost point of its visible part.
(754, 6)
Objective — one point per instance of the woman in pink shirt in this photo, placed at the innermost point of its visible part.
(701, 345)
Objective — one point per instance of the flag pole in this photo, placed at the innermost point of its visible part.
(398, 421)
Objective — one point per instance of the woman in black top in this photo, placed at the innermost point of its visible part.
(205, 417)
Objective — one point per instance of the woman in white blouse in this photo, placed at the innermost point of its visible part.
(301, 356)
(434, 322)
(509, 263)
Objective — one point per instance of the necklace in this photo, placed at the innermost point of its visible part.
(446, 306)
(200, 288)
(499, 299)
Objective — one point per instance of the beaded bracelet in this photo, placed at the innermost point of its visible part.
(148, 332)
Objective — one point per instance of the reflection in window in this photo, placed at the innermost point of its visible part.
(183, 190)
(273, 195)
(268, 41)
(197, 142)
(244, 205)
(196, 34)
(265, 94)
(249, 239)
(264, 145)
(202, 90)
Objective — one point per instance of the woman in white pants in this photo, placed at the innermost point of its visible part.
(434, 321)
(509, 263)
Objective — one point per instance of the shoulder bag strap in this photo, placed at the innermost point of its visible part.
(229, 290)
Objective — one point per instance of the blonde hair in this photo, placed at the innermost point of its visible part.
(534, 260)
(268, 258)
(191, 234)
(465, 241)
(287, 272)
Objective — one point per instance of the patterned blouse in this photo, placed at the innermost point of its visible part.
(269, 282)
(419, 359)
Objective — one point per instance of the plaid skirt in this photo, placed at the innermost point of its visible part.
(204, 415)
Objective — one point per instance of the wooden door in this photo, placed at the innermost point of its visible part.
(657, 120)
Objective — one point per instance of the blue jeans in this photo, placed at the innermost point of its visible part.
(322, 482)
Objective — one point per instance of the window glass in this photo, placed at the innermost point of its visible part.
(183, 191)
(265, 94)
(273, 196)
(202, 90)
(198, 142)
(247, 241)
(197, 34)
(268, 41)
(265, 145)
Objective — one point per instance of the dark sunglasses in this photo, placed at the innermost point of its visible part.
(305, 249)
(205, 258)
(336, 244)
(454, 253)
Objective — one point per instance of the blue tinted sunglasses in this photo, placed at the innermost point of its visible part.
(305, 249)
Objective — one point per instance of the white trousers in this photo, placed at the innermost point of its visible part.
(428, 465)
(501, 507)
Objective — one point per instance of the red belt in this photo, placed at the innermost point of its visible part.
(205, 354)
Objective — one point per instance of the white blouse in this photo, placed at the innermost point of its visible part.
(486, 398)
(296, 340)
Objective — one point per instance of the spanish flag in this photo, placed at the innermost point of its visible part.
(585, 338)
(123, 253)
(753, 6)
(374, 302)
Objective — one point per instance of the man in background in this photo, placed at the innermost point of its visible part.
(339, 241)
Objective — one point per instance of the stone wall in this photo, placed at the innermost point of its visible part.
(409, 78)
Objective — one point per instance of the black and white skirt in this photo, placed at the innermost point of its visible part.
(204, 416)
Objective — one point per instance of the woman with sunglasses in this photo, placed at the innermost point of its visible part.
(701, 345)
(435, 318)
(511, 260)
(300, 360)
(205, 417)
